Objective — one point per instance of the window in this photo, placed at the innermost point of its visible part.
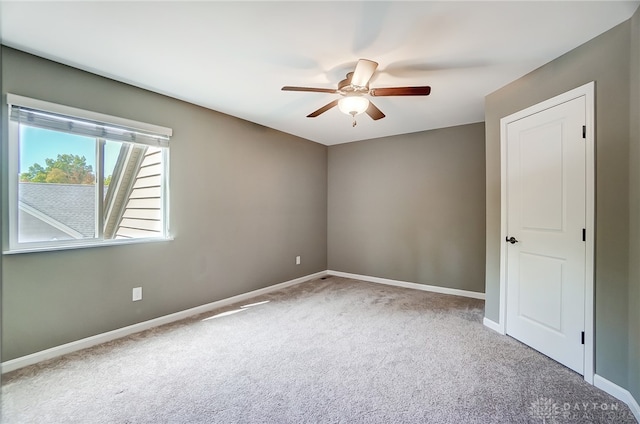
(79, 178)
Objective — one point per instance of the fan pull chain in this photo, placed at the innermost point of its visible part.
(354, 119)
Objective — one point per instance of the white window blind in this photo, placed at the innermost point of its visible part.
(56, 117)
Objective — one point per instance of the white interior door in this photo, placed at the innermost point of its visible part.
(546, 214)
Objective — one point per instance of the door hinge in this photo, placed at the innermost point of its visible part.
(583, 337)
(584, 234)
(584, 131)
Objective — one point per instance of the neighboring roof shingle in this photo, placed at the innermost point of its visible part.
(71, 204)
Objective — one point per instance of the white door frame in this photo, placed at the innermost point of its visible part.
(588, 91)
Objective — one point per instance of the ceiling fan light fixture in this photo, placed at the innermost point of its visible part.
(353, 105)
(353, 90)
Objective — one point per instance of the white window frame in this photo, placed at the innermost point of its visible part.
(10, 243)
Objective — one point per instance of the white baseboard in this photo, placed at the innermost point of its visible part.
(64, 349)
(408, 285)
(493, 325)
(619, 393)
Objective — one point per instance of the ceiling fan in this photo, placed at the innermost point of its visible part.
(353, 90)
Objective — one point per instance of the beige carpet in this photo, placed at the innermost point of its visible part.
(326, 351)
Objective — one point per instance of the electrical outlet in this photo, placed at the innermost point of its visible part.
(137, 294)
(297, 260)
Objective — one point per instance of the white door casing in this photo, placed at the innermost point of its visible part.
(546, 278)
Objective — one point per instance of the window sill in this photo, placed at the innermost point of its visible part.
(120, 242)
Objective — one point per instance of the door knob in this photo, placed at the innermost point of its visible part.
(512, 240)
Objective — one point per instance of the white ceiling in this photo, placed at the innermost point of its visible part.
(234, 57)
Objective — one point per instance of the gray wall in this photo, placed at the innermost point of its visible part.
(605, 60)
(245, 200)
(634, 198)
(410, 207)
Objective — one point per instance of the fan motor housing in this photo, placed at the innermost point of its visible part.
(346, 88)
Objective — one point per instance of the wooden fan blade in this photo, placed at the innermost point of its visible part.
(401, 91)
(363, 72)
(374, 112)
(311, 89)
(323, 109)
